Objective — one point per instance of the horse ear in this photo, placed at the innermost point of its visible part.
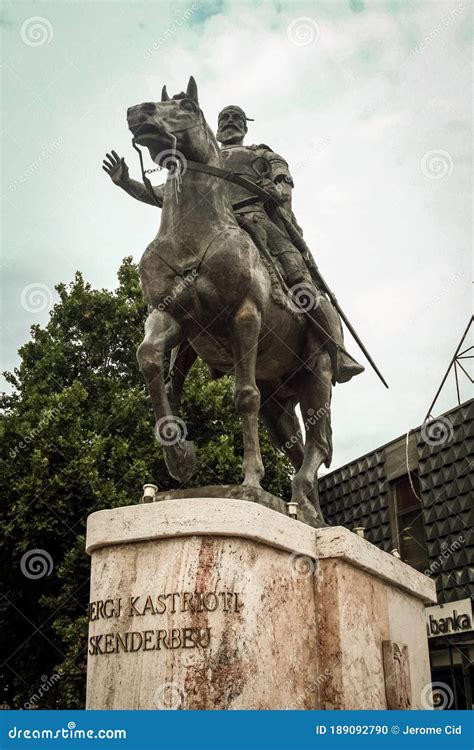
(164, 95)
(192, 90)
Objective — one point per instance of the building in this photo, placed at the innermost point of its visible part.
(414, 497)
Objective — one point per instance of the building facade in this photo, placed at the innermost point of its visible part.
(414, 498)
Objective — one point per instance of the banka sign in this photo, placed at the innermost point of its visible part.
(448, 619)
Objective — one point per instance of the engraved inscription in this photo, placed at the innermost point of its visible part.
(137, 606)
(149, 640)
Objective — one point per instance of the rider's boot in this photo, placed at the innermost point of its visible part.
(344, 366)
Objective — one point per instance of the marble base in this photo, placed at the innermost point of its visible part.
(212, 603)
(258, 495)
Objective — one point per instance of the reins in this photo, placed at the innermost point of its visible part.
(258, 192)
(194, 166)
(144, 172)
(175, 161)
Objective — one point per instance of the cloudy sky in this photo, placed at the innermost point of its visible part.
(369, 102)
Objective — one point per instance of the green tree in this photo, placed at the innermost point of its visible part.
(77, 436)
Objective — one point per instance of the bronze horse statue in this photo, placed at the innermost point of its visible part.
(207, 284)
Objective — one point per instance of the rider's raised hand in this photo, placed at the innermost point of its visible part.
(115, 167)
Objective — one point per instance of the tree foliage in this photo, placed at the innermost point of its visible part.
(77, 436)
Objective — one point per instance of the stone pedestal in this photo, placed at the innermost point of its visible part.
(212, 603)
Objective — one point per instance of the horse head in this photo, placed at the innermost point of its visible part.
(173, 125)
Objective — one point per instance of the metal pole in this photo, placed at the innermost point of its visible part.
(449, 369)
(457, 381)
(453, 677)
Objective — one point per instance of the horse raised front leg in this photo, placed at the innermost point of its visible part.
(162, 332)
(182, 359)
(246, 329)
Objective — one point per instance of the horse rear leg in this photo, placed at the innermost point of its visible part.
(162, 333)
(315, 409)
(283, 427)
(246, 330)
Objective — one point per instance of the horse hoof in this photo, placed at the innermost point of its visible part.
(307, 513)
(180, 460)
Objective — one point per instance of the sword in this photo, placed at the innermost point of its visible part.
(293, 234)
(301, 245)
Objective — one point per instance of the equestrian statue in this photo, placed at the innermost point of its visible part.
(229, 278)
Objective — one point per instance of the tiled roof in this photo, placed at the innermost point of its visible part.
(357, 495)
(446, 470)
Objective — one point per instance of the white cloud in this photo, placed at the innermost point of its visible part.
(354, 112)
